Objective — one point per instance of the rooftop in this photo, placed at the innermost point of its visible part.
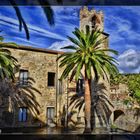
(29, 48)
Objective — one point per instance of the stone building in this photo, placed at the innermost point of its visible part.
(35, 89)
(38, 97)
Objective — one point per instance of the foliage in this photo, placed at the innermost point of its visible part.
(132, 80)
(7, 63)
(127, 101)
(87, 53)
(9, 44)
(133, 83)
(1, 38)
(137, 94)
(113, 126)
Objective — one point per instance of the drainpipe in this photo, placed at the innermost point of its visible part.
(57, 89)
(67, 105)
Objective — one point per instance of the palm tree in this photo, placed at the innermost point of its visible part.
(87, 57)
(8, 63)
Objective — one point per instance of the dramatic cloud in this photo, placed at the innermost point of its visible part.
(129, 61)
(58, 45)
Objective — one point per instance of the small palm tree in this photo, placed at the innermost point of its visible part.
(8, 63)
(88, 58)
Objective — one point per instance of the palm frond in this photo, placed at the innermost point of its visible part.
(70, 47)
(20, 18)
(48, 11)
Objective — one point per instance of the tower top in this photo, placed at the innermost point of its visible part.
(91, 17)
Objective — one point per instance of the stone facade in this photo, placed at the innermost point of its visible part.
(36, 95)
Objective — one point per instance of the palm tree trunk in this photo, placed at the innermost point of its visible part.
(93, 92)
(87, 106)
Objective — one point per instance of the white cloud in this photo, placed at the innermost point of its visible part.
(129, 61)
(58, 45)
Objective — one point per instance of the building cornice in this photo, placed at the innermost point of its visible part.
(29, 48)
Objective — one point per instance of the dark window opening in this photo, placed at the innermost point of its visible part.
(80, 86)
(93, 21)
(51, 79)
(23, 77)
(22, 116)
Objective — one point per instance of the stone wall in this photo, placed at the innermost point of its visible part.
(130, 121)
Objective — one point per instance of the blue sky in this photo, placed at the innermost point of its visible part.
(121, 22)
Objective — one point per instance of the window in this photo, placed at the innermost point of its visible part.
(51, 79)
(22, 116)
(93, 21)
(80, 86)
(23, 77)
(50, 114)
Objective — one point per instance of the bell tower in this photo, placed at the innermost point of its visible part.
(95, 20)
